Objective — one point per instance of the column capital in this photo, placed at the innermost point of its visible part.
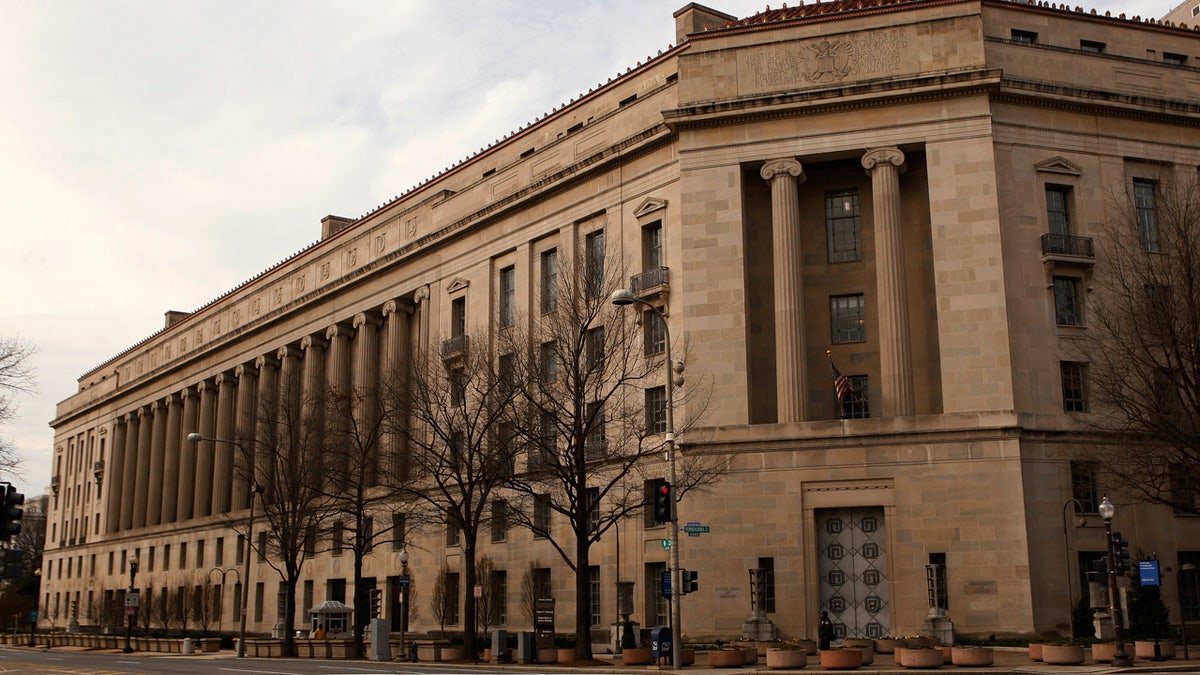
(421, 294)
(784, 166)
(266, 360)
(877, 156)
(308, 342)
(397, 305)
(186, 393)
(242, 369)
(154, 406)
(206, 385)
(144, 411)
(286, 351)
(170, 400)
(364, 318)
(337, 330)
(223, 378)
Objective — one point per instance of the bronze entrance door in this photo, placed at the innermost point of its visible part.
(852, 562)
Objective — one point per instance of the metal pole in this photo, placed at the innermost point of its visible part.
(133, 565)
(255, 488)
(1120, 658)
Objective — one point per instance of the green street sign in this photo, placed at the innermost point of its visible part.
(666, 544)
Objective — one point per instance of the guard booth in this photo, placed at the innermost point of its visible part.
(334, 616)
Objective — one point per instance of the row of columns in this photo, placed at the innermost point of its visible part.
(157, 477)
(883, 165)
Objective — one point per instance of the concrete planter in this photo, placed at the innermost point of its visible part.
(887, 645)
(1103, 652)
(751, 656)
(786, 659)
(451, 654)
(566, 654)
(547, 655)
(972, 657)
(859, 643)
(1035, 651)
(727, 658)
(1062, 655)
(841, 659)
(635, 656)
(919, 658)
(1144, 649)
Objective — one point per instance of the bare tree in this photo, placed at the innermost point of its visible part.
(1142, 344)
(488, 605)
(16, 376)
(442, 602)
(451, 414)
(182, 610)
(591, 412)
(161, 611)
(529, 592)
(206, 607)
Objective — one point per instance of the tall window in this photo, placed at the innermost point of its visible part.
(453, 532)
(500, 601)
(592, 499)
(594, 444)
(654, 332)
(594, 594)
(499, 520)
(1058, 214)
(458, 386)
(768, 564)
(458, 317)
(506, 372)
(549, 281)
(842, 226)
(541, 516)
(1066, 302)
(595, 348)
(200, 553)
(652, 246)
(508, 296)
(848, 322)
(549, 433)
(1074, 391)
(310, 540)
(1183, 491)
(595, 263)
(1083, 486)
(339, 537)
(656, 410)
(452, 602)
(657, 607)
(1147, 212)
(548, 359)
(1189, 585)
(398, 531)
(367, 536)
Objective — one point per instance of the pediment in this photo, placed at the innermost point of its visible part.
(1059, 165)
(651, 205)
(457, 284)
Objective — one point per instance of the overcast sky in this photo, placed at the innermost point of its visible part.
(156, 153)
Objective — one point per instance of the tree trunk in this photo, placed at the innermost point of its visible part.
(583, 595)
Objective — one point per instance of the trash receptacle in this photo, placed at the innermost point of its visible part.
(187, 646)
(412, 651)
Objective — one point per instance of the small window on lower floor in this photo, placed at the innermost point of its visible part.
(1074, 386)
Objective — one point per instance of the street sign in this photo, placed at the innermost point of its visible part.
(405, 581)
(696, 529)
(666, 544)
(478, 591)
(1148, 572)
(131, 599)
(666, 584)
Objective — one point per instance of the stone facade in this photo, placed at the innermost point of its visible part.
(859, 182)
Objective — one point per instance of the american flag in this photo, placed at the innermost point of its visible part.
(841, 383)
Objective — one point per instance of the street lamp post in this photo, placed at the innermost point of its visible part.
(1120, 658)
(33, 613)
(131, 609)
(623, 297)
(255, 489)
(405, 580)
(1081, 521)
(221, 614)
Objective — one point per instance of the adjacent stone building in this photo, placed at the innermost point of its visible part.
(894, 187)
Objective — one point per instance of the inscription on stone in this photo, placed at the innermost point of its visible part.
(827, 60)
(981, 588)
(728, 592)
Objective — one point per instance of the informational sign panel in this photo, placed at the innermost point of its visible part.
(1148, 572)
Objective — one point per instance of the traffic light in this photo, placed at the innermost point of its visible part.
(690, 580)
(10, 515)
(376, 603)
(14, 563)
(1122, 560)
(663, 502)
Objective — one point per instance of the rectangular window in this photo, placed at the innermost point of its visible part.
(458, 386)
(1058, 214)
(548, 359)
(339, 537)
(1189, 585)
(549, 281)
(200, 553)
(458, 317)
(592, 499)
(309, 600)
(499, 520)
(1172, 59)
(1144, 193)
(149, 560)
(508, 296)
(549, 443)
(1024, 37)
(656, 410)
(1083, 486)
(259, 592)
(842, 226)
(506, 372)
(262, 547)
(541, 516)
(768, 565)
(595, 442)
(594, 594)
(500, 603)
(220, 553)
(310, 540)
(1074, 389)
(652, 246)
(1183, 491)
(453, 533)
(507, 451)
(1092, 47)
(857, 404)
(1066, 302)
(657, 607)
(367, 536)
(654, 331)
(452, 602)
(182, 555)
(595, 349)
(398, 531)
(166, 560)
(594, 248)
(847, 318)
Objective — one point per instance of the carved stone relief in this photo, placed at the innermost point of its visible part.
(825, 60)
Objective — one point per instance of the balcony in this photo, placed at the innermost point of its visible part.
(1065, 250)
(455, 348)
(651, 282)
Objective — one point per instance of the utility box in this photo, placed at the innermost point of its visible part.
(526, 649)
(500, 645)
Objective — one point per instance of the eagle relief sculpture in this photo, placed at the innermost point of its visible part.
(831, 60)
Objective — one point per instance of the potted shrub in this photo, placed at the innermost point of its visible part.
(1145, 649)
(841, 659)
(887, 645)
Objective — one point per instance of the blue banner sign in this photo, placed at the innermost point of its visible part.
(1148, 572)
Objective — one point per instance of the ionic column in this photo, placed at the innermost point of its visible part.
(364, 376)
(202, 500)
(790, 350)
(170, 477)
(129, 481)
(244, 434)
(396, 341)
(222, 480)
(265, 420)
(116, 476)
(313, 389)
(187, 454)
(895, 348)
(142, 486)
(158, 450)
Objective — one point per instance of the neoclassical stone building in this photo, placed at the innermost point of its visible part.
(899, 186)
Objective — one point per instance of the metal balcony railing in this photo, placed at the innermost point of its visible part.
(650, 279)
(455, 346)
(1068, 245)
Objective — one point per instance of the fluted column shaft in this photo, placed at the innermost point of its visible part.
(142, 485)
(790, 349)
(116, 477)
(397, 337)
(222, 481)
(170, 477)
(129, 480)
(187, 455)
(265, 419)
(158, 449)
(365, 377)
(202, 499)
(244, 434)
(895, 344)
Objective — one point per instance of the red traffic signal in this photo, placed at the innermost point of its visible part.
(664, 502)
